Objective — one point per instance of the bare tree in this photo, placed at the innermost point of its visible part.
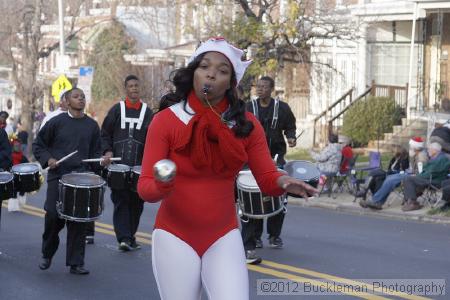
(21, 45)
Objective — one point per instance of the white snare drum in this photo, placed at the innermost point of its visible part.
(252, 202)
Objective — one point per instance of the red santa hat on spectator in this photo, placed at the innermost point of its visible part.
(416, 142)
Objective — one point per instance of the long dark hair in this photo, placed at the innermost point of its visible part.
(183, 80)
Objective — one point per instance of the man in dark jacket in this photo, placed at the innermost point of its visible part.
(278, 122)
(5, 156)
(124, 131)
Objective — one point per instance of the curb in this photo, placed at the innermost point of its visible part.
(385, 213)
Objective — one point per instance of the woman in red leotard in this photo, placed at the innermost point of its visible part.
(209, 136)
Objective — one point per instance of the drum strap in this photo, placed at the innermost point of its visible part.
(132, 121)
(255, 108)
(276, 107)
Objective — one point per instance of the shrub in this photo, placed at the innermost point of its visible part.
(368, 119)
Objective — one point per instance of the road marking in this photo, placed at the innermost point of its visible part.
(332, 278)
(269, 269)
(104, 225)
(296, 278)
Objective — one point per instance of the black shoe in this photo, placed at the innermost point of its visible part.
(361, 194)
(258, 243)
(45, 263)
(363, 203)
(135, 246)
(125, 246)
(373, 205)
(78, 270)
(89, 239)
(251, 257)
(276, 242)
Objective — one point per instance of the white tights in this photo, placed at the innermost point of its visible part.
(180, 273)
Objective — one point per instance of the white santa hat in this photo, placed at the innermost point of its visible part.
(416, 142)
(219, 44)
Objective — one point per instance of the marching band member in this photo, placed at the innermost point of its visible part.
(196, 240)
(277, 119)
(123, 134)
(60, 136)
(5, 156)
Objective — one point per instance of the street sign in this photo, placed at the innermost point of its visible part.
(60, 84)
(85, 77)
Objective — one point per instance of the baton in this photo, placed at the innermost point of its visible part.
(100, 159)
(63, 159)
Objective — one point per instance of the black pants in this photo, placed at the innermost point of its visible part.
(413, 185)
(90, 228)
(274, 225)
(75, 247)
(128, 208)
(253, 229)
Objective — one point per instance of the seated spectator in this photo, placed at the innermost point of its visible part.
(399, 163)
(441, 135)
(417, 155)
(434, 172)
(329, 159)
(347, 154)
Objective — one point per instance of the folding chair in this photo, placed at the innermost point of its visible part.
(346, 179)
(374, 163)
(431, 195)
(396, 195)
(340, 179)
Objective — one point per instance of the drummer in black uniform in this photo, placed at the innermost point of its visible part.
(59, 137)
(277, 120)
(123, 132)
(5, 156)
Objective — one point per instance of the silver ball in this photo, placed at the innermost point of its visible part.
(164, 170)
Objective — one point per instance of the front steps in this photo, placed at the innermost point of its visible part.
(401, 135)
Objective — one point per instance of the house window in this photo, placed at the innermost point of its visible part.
(389, 63)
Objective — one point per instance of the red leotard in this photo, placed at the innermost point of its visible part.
(201, 208)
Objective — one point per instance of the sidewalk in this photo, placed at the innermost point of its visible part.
(392, 208)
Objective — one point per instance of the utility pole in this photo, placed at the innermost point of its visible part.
(61, 36)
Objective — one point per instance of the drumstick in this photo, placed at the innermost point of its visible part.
(63, 159)
(100, 159)
(275, 158)
(300, 134)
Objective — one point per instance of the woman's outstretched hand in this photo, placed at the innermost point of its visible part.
(296, 186)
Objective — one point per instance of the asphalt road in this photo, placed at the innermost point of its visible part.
(321, 247)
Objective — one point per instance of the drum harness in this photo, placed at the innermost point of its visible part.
(273, 124)
(133, 123)
(276, 107)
